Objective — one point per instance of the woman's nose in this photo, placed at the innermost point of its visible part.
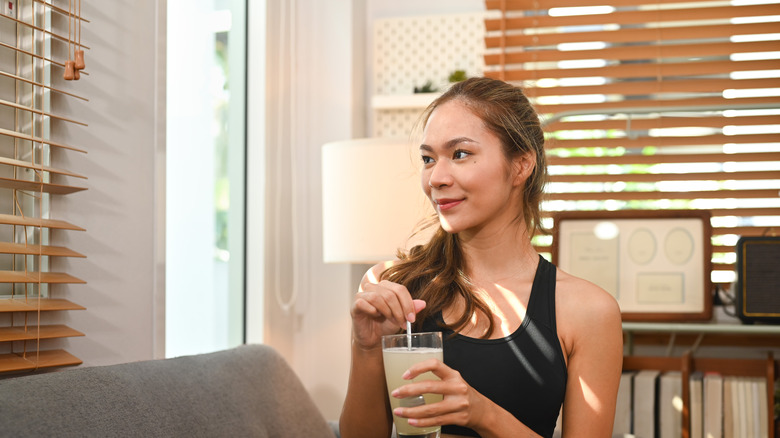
(440, 175)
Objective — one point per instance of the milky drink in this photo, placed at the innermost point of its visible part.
(397, 360)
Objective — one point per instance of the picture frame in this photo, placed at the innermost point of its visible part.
(656, 263)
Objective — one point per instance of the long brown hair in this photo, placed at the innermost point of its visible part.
(436, 271)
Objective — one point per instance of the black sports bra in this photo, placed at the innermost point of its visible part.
(525, 372)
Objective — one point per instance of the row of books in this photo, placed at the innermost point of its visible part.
(650, 405)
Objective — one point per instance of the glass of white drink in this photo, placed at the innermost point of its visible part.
(399, 355)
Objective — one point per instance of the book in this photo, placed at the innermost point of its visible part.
(713, 405)
(696, 405)
(749, 407)
(622, 424)
(764, 414)
(670, 405)
(731, 427)
(742, 418)
(644, 403)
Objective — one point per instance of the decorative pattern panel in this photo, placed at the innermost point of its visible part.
(411, 51)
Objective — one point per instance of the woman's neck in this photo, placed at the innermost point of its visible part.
(500, 254)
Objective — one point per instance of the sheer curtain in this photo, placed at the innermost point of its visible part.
(312, 83)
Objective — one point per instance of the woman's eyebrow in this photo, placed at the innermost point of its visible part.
(449, 144)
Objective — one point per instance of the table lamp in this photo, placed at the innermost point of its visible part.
(372, 199)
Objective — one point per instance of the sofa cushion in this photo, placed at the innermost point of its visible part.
(247, 391)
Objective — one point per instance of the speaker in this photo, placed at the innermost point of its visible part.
(757, 290)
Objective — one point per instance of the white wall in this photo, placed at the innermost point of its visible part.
(118, 209)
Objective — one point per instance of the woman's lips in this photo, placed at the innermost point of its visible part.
(446, 204)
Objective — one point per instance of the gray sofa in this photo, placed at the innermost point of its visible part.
(248, 391)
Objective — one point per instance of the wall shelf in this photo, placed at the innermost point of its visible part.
(746, 329)
(696, 334)
(403, 101)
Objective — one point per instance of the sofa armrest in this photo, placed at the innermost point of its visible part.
(245, 391)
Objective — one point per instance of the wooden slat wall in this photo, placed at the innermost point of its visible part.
(649, 105)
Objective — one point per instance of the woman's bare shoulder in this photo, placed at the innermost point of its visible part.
(580, 291)
(374, 274)
(583, 302)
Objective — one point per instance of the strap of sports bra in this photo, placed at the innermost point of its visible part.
(541, 304)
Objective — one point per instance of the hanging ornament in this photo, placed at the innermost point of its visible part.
(70, 65)
(79, 52)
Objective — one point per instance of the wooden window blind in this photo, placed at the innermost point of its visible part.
(652, 105)
(41, 63)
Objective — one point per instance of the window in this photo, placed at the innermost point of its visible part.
(205, 176)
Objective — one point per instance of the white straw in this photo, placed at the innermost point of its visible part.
(408, 335)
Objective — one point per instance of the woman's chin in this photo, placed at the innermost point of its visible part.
(453, 225)
(449, 227)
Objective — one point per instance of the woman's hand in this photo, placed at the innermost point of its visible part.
(462, 405)
(381, 309)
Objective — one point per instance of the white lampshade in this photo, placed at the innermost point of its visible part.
(371, 199)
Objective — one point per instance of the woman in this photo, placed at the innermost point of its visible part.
(522, 338)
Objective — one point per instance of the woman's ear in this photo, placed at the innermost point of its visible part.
(522, 167)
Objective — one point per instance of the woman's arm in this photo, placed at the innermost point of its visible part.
(366, 410)
(589, 322)
(379, 308)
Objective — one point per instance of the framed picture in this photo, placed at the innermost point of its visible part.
(656, 263)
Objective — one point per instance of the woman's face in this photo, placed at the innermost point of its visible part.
(465, 173)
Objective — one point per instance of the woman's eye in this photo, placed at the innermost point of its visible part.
(459, 155)
(427, 160)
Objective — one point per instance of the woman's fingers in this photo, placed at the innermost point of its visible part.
(391, 300)
(382, 306)
(454, 386)
(435, 366)
(418, 306)
(380, 309)
(403, 298)
(365, 307)
(455, 417)
(453, 409)
(449, 382)
(456, 405)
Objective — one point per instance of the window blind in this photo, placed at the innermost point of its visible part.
(652, 105)
(41, 61)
